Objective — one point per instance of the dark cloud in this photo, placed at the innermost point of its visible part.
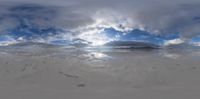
(85, 16)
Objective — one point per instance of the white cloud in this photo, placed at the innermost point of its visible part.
(173, 42)
(91, 16)
(196, 43)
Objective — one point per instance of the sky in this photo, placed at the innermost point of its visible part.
(99, 21)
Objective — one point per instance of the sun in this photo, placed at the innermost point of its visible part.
(98, 42)
(96, 36)
(95, 39)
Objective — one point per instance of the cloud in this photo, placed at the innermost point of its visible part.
(173, 42)
(80, 17)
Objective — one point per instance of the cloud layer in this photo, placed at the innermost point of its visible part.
(89, 18)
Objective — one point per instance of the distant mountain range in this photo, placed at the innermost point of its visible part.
(131, 45)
